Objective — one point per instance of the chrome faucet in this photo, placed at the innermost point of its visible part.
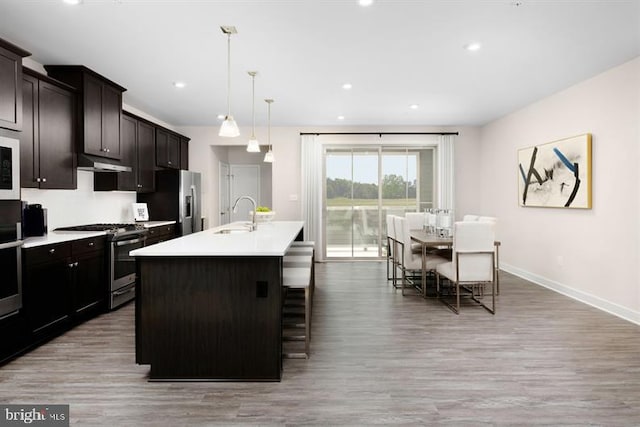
(253, 215)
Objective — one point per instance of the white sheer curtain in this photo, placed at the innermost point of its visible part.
(446, 183)
(312, 190)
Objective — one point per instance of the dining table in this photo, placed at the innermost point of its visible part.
(429, 240)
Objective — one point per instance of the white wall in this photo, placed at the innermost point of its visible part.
(591, 254)
(82, 206)
(239, 156)
(205, 152)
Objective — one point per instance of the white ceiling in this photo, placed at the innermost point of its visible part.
(395, 53)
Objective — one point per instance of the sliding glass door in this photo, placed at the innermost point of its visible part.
(362, 186)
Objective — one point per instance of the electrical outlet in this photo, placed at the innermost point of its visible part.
(293, 197)
(560, 260)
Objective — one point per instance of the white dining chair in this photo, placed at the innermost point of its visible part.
(470, 217)
(391, 248)
(472, 267)
(410, 262)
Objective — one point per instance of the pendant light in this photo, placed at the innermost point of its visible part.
(254, 145)
(268, 157)
(229, 127)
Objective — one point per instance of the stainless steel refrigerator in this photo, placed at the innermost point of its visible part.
(177, 197)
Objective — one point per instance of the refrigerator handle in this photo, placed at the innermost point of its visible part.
(194, 208)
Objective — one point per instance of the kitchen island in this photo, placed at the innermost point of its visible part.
(209, 304)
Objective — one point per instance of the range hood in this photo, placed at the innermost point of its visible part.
(87, 162)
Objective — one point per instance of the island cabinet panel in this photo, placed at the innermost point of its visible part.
(208, 318)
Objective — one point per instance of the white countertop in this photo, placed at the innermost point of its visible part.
(151, 224)
(59, 237)
(270, 239)
(53, 237)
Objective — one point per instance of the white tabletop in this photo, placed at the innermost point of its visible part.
(270, 239)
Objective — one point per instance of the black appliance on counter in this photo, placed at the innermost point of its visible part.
(34, 220)
(10, 258)
(121, 238)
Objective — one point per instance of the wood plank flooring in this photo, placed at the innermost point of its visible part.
(376, 358)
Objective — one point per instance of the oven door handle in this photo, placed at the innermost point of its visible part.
(120, 293)
(9, 245)
(129, 242)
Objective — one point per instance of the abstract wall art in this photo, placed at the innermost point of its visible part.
(556, 174)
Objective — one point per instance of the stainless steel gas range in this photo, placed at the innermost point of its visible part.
(121, 238)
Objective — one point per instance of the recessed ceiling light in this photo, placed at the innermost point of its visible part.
(347, 86)
(365, 3)
(340, 117)
(179, 85)
(473, 46)
(72, 1)
(221, 116)
(414, 106)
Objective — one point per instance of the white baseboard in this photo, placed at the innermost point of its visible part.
(592, 300)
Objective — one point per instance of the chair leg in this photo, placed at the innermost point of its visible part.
(307, 320)
(458, 296)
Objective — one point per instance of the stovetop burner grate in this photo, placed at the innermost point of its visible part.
(110, 227)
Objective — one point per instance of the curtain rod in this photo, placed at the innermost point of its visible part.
(379, 133)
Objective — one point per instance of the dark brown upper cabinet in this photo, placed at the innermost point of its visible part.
(167, 149)
(138, 151)
(47, 141)
(11, 85)
(146, 157)
(99, 108)
(184, 154)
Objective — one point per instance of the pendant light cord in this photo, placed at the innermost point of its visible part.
(269, 129)
(228, 74)
(253, 106)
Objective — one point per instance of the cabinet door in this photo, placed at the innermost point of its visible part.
(15, 335)
(46, 295)
(184, 154)
(29, 149)
(173, 151)
(10, 90)
(127, 180)
(111, 114)
(57, 109)
(92, 127)
(89, 287)
(146, 152)
(162, 141)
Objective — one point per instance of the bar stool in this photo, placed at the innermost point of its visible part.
(304, 244)
(299, 278)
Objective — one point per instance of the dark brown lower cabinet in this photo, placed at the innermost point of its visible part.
(62, 284)
(160, 234)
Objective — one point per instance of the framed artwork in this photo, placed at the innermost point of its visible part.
(556, 174)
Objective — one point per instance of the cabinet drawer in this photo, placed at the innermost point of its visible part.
(47, 253)
(162, 230)
(88, 245)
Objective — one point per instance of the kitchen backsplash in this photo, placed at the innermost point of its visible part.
(82, 206)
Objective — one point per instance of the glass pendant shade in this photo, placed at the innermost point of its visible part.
(268, 157)
(253, 146)
(229, 128)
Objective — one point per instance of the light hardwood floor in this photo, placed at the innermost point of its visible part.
(377, 358)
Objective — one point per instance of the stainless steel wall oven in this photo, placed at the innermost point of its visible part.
(10, 258)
